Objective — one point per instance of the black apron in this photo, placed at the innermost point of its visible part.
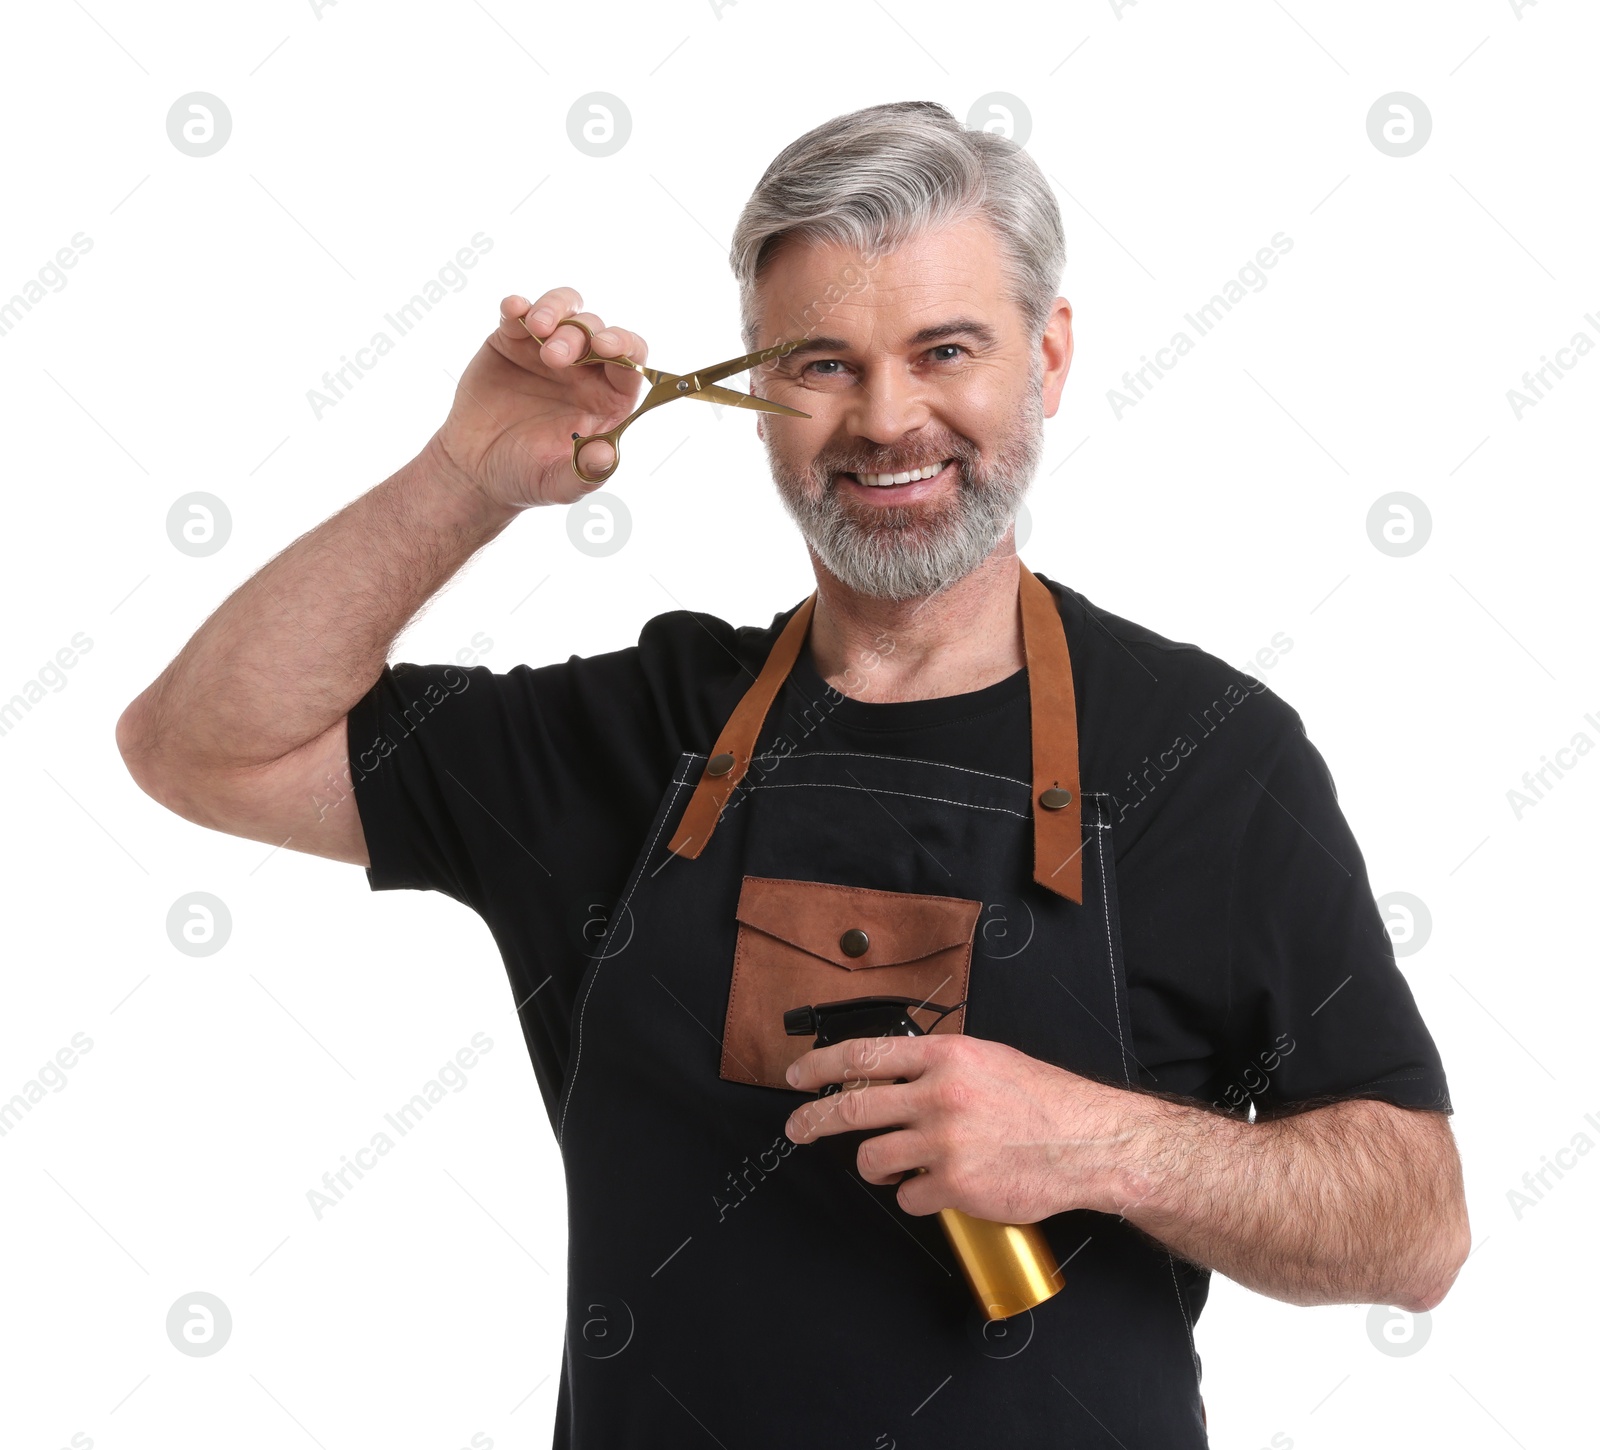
(728, 1287)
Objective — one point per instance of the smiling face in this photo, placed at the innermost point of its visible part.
(927, 399)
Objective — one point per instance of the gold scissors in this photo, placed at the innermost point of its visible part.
(666, 388)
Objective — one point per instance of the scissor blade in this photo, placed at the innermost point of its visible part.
(727, 369)
(729, 398)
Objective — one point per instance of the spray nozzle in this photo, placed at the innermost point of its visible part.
(861, 1017)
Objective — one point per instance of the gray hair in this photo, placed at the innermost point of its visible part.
(874, 178)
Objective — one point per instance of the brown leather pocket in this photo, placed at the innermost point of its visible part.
(790, 953)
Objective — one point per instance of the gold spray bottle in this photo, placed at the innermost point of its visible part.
(1010, 1267)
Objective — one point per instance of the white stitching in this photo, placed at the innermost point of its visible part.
(583, 1006)
(940, 800)
(1172, 1268)
(912, 759)
(1105, 901)
(1100, 795)
(1194, 1357)
(912, 795)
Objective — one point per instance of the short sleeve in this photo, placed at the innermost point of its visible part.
(493, 787)
(410, 738)
(523, 795)
(1319, 1011)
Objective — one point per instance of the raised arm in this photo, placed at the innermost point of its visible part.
(244, 731)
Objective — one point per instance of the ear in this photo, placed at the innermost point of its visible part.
(1055, 347)
(759, 434)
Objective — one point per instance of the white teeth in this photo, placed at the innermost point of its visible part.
(886, 480)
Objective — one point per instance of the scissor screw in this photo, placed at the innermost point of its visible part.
(683, 385)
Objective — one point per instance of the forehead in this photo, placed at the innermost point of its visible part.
(836, 288)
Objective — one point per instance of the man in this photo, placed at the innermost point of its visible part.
(1159, 1014)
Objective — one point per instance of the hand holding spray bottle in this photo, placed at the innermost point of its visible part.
(1009, 1267)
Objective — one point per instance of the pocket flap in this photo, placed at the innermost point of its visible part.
(899, 926)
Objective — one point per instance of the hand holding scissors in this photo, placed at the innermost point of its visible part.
(666, 387)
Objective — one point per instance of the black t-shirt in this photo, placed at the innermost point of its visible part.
(1259, 970)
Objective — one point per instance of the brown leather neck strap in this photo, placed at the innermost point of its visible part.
(1053, 721)
(737, 742)
(1053, 717)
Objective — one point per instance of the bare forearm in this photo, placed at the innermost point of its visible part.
(293, 648)
(246, 731)
(1357, 1202)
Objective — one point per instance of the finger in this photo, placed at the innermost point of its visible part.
(545, 311)
(875, 1058)
(865, 1105)
(566, 344)
(920, 1193)
(513, 311)
(619, 342)
(596, 457)
(889, 1157)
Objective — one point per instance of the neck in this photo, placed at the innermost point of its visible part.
(966, 636)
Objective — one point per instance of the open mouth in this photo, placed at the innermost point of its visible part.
(900, 480)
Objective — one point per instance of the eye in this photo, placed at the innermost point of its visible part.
(942, 347)
(826, 362)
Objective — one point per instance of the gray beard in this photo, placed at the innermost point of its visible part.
(900, 553)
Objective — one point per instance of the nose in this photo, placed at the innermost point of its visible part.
(888, 404)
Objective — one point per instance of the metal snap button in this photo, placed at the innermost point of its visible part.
(719, 764)
(854, 942)
(1055, 798)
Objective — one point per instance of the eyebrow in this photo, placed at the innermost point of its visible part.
(956, 327)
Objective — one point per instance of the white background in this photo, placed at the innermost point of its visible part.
(372, 142)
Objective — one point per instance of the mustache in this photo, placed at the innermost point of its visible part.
(962, 450)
